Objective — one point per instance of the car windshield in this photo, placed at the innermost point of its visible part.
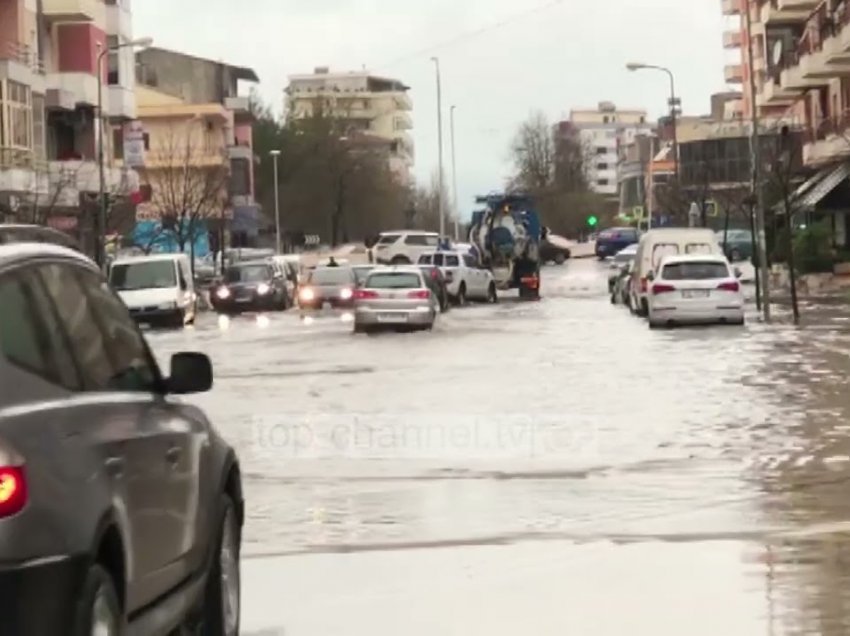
(394, 280)
(143, 275)
(247, 274)
(695, 270)
(330, 276)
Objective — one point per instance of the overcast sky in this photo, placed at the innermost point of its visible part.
(500, 59)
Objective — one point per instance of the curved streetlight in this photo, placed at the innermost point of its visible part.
(674, 102)
(436, 62)
(101, 233)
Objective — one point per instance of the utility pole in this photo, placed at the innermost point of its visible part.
(454, 177)
(442, 207)
(278, 242)
(755, 159)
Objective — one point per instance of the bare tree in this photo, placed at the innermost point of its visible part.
(188, 177)
(425, 209)
(533, 155)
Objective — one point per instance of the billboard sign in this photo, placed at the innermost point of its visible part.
(134, 144)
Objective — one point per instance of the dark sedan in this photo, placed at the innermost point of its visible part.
(329, 289)
(550, 252)
(250, 287)
(737, 244)
(611, 241)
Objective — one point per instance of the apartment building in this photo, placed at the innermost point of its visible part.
(49, 55)
(177, 88)
(369, 105)
(602, 133)
(801, 70)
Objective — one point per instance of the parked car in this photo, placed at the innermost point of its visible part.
(327, 290)
(465, 278)
(620, 293)
(438, 285)
(695, 288)
(404, 247)
(611, 241)
(121, 507)
(250, 286)
(659, 243)
(158, 289)
(23, 233)
(394, 298)
(554, 249)
(736, 244)
(361, 273)
(620, 267)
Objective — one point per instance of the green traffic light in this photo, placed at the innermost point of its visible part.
(592, 221)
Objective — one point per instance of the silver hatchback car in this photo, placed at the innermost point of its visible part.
(394, 297)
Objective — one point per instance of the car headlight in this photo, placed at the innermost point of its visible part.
(307, 294)
(346, 294)
(263, 289)
(223, 293)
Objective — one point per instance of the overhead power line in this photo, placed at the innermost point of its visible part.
(472, 34)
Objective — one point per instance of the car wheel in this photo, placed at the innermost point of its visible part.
(222, 595)
(98, 610)
(492, 294)
(613, 299)
(400, 260)
(560, 259)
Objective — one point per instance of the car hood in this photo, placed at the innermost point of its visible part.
(148, 297)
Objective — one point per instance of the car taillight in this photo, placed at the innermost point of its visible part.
(364, 294)
(13, 490)
(661, 288)
(732, 286)
(421, 294)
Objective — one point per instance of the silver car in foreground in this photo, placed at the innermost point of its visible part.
(394, 297)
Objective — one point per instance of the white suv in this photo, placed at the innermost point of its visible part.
(465, 279)
(404, 247)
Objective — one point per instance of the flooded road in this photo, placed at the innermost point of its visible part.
(541, 468)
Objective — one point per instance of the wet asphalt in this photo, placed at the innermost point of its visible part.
(545, 468)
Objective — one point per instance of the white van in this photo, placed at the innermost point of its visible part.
(654, 245)
(158, 289)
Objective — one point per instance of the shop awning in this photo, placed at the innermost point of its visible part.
(816, 189)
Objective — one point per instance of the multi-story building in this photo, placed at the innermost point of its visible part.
(801, 72)
(49, 137)
(601, 134)
(368, 104)
(174, 88)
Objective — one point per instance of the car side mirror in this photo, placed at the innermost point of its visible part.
(738, 272)
(190, 373)
(650, 277)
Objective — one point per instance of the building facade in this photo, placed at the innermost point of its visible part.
(602, 133)
(368, 104)
(52, 55)
(184, 93)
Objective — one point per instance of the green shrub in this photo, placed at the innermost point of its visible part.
(813, 251)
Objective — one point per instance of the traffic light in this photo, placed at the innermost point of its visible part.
(592, 220)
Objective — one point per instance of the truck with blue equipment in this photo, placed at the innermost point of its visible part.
(507, 234)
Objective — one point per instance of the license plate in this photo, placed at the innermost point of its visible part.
(695, 293)
(243, 300)
(394, 318)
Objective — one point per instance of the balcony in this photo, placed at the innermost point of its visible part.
(828, 142)
(69, 179)
(403, 101)
(787, 11)
(240, 151)
(403, 121)
(732, 39)
(774, 94)
(731, 7)
(734, 73)
(20, 63)
(119, 20)
(240, 107)
(81, 85)
(122, 103)
(74, 11)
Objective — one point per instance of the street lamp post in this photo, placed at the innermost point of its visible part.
(454, 177)
(674, 104)
(275, 154)
(100, 247)
(440, 146)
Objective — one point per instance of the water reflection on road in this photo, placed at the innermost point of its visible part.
(539, 468)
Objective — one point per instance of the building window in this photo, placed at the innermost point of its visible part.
(601, 166)
(601, 150)
(602, 182)
(147, 139)
(240, 177)
(606, 119)
(113, 61)
(16, 102)
(118, 143)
